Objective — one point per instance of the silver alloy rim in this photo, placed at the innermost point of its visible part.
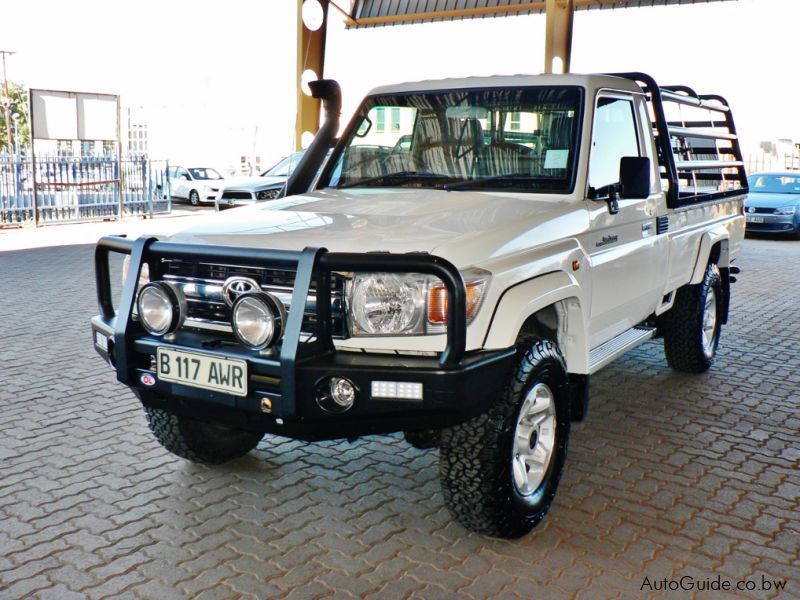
(709, 322)
(534, 439)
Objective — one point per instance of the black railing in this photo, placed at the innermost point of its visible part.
(703, 166)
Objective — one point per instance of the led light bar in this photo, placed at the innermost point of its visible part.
(401, 390)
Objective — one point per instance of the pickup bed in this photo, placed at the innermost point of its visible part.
(469, 254)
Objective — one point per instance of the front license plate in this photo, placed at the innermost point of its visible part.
(205, 371)
(755, 219)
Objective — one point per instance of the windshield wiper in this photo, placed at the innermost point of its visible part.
(399, 176)
(508, 180)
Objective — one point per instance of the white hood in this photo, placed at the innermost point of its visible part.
(461, 226)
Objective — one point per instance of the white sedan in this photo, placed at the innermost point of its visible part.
(195, 184)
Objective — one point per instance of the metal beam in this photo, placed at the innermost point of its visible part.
(558, 38)
(376, 13)
(310, 55)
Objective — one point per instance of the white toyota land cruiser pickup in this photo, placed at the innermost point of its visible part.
(471, 252)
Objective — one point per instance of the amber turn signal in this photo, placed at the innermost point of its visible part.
(437, 301)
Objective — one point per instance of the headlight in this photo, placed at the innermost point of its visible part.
(144, 274)
(269, 194)
(406, 304)
(161, 307)
(258, 320)
(786, 210)
(387, 304)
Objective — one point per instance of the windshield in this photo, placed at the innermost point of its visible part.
(204, 173)
(775, 184)
(285, 167)
(515, 138)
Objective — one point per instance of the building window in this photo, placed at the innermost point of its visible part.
(380, 114)
(395, 120)
(515, 122)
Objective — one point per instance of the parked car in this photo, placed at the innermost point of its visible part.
(461, 290)
(267, 186)
(195, 184)
(774, 203)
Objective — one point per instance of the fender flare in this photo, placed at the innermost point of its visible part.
(526, 298)
(717, 235)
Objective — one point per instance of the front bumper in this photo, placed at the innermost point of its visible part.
(283, 385)
(768, 223)
(450, 396)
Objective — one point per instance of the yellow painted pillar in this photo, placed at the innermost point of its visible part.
(310, 57)
(558, 38)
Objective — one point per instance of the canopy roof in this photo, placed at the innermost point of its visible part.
(370, 13)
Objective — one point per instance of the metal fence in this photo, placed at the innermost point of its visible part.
(80, 188)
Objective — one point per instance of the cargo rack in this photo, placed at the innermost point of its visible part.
(698, 153)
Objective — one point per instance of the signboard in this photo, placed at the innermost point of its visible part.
(60, 115)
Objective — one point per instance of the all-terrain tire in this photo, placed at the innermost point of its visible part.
(476, 457)
(683, 325)
(197, 441)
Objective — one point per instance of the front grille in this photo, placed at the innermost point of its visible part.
(234, 195)
(202, 283)
(763, 211)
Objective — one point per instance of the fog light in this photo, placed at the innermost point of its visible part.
(258, 319)
(336, 394)
(343, 392)
(161, 307)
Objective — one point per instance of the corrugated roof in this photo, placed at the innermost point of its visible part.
(372, 13)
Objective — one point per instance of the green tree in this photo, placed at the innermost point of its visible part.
(18, 96)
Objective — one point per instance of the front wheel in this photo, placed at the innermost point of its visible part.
(194, 198)
(198, 441)
(692, 326)
(499, 471)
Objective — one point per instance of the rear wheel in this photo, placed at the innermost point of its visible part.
(692, 326)
(500, 470)
(197, 441)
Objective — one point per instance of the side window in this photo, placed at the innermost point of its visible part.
(613, 136)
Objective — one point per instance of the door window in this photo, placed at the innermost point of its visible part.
(614, 136)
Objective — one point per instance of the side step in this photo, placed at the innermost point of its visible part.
(611, 350)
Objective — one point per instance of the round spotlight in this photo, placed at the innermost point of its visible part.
(258, 319)
(343, 392)
(162, 308)
(335, 394)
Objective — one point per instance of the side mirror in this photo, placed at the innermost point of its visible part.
(634, 177)
(184, 177)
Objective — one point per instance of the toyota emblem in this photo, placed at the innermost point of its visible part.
(236, 286)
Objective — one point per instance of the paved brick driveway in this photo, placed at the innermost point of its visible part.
(671, 475)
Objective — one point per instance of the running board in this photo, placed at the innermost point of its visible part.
(615, 347)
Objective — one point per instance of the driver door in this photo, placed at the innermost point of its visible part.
(624, 247)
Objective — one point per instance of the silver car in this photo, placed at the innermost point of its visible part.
(773, 204)
(267, 186)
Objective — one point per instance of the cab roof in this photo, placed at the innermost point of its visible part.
(590, 82)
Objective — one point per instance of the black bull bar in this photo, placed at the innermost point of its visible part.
(310, 264)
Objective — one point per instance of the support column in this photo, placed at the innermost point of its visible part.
(558, 39)
(310, 56)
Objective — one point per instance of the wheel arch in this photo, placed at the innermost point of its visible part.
(714, 248)
(551, 306)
